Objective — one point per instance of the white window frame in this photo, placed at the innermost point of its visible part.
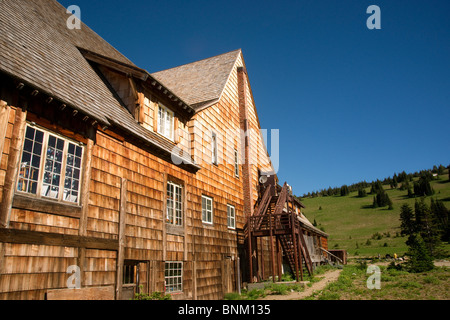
(207, 213)
(231, 216)
(174, 206)
(46, 157)
(214, 153)
(173, 276)
(166, 122)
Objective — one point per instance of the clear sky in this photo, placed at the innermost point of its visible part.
(351, 103)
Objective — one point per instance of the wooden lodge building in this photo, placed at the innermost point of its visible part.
(114, 180)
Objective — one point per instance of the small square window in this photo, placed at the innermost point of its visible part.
(165, 122)
(207, 209)
(231, 217)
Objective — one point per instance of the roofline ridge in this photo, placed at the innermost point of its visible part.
(186, 64)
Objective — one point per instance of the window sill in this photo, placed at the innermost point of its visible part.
(47, 206)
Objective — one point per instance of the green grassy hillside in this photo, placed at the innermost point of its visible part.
(353, 224)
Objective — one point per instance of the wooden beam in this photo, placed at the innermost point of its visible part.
(164, 215)
(85, 294)
(250, 253)
(56, 239)
(4, 118)
(271, 226)
(47, 206)
(85, 187)
(121, 251)
(12, 168)
(294, 242)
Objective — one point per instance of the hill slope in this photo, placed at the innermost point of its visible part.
(353, 224)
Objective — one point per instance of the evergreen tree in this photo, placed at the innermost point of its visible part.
(419, 257)
(427, 227)
(394, 182)
(375, 203)
(344, 191)
(442, 218)
(382, 200)
(362, 193)
(408, 223)
(423, 187)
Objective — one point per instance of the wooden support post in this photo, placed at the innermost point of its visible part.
(13, 167)
(279, 259)
(121, 251)
(4, 118)
(164, 216)
(250, 252)
(300, 253)
(261, 255)
(85, 183)
(271, 225)
(194, 280)
(294, 240)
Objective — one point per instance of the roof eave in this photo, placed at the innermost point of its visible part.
(140, 74)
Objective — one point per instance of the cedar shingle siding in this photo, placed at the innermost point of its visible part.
(73, 84)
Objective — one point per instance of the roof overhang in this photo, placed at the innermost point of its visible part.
(139, 74)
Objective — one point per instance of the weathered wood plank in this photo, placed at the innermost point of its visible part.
(86, 180)
(91, 293)
(121, 250)
(54, 239)
(4, 118)
(47, 206)
(13, 165)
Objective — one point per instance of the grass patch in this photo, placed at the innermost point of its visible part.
(354, 225)
(395, 285)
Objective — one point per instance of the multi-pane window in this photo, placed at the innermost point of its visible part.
(174, 276)
(174, 204)
(214, 148)
(207, 209)
(231, 217)
(50, 166)
(236, 163)
(165, 122)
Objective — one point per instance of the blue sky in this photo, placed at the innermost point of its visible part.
(351, 103)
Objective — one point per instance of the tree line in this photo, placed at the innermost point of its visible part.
(402, 181)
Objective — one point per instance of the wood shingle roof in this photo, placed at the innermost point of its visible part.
(38, 48)
(200, 83)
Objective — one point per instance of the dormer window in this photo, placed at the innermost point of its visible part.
(165, 122)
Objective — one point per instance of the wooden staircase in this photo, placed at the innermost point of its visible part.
(275, 218)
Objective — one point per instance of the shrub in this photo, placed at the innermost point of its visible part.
(153, 296)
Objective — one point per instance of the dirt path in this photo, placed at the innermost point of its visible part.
(329, 277)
